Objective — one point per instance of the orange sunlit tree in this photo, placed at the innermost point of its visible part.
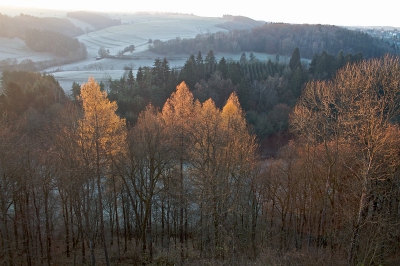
(102, 134)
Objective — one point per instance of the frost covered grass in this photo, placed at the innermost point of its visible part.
(16, 49)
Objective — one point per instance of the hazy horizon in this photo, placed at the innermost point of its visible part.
(341, 13)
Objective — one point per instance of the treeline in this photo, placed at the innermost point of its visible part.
(11, 27)
(267, 91)
(99, 21)
(184, 184)
(282, 39)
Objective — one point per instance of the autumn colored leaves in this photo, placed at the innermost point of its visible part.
(191, 153)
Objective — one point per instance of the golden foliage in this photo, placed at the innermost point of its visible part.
(179, 107)
(101, 129)
(232, 107)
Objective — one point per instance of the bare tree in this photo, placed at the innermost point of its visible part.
(358, 108)
(178, 115)
(149, 159)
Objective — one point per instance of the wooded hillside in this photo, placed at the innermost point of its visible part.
(282, 39)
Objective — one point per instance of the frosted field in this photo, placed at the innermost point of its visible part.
(103, 70)
(138, 29)
(17, 49)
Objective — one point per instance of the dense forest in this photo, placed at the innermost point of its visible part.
(267, 91)
(281, 39)
(164, 168)
(219, 162)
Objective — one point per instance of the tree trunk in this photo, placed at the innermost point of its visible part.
(100, 199)
(47, 222)
(182, 202)
(66, 225)
(7, 251)
(102, 231)
(361, 213)
(38, 226)
(117, 221)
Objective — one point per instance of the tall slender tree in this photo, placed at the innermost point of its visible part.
(149, 160)
(102, 135)
(178, 113)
